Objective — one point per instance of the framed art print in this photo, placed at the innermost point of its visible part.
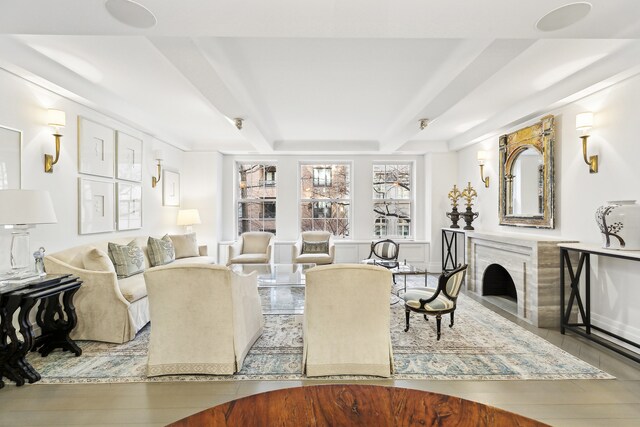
(129, 206)
(170, 188)
(10, 148)
(95, 148)
(128, 157)
(96, 208)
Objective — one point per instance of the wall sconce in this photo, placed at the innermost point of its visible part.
(57, 120)
(584, 123)
(482, 157)
(159, 156)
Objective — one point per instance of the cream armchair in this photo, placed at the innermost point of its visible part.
(253, 247)
(346, 327)
(309, 248)
(204, 319)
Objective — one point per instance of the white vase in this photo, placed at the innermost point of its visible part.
(619, 223)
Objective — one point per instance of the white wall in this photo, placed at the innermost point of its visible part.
(23, 106)
(579, 193)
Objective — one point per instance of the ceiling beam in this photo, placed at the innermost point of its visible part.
(203, 71)
(466, 68)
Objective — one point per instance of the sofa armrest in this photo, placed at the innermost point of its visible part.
(203, 250)
(235, 249)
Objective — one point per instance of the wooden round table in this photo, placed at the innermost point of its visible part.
(353, 405)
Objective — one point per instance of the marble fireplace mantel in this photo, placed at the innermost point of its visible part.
(533, 262)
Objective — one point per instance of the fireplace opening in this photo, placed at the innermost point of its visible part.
(497, 281)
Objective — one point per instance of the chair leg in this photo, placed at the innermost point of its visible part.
(426, 318)
(451, 325)
(438, 322)
(407, 313)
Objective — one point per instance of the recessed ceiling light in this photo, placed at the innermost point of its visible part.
(131, 13)
(563, 16)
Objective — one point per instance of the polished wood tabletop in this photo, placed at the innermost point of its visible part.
(353, 405)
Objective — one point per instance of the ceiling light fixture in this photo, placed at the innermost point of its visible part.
(131, 13)
(564, 16)
(238, 122)
(423, 123)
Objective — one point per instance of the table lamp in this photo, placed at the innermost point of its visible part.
(188, 217)
(21, 210)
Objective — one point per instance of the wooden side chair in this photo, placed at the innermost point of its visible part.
(436, 302)
(384, 253)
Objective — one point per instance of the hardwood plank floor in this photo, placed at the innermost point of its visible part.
(559, 403)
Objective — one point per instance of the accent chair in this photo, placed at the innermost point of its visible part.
(435, 302)
(313, 247)
(384, 253)
(346, 327)
(252, 247)
(204, 319)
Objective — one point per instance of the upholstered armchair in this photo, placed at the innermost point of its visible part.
(442, 300)
(313, 247)
(346, 326)
(252, 247)
(204, 319)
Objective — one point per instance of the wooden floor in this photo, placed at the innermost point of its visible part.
(560, 403)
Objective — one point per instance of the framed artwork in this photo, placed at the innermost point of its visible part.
(10, 150)
(170, 188)
(95, 148)
(128, 157)
(96, 207)
(129, 206)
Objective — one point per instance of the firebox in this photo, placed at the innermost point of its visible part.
(497, 281)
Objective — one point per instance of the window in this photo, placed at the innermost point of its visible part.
(392, 199)
(256, 198)
(321, 176)
(325, 198)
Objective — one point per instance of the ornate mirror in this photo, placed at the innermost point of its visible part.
(526, 176)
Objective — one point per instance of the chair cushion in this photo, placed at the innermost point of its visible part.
(185, 245)
(413, 295)
(96, 260)
(127, 259)
(313, 258)
(161, 251)
(386, 250)
(196, 260)
(255, 243)
(321, 247)
(133, 288)
(249, 259)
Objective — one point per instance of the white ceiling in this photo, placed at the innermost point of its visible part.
(349, 76)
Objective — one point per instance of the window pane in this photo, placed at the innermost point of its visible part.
(325, 192)
(324, 181)
(392, 181)
(392, 218)
(256, 197)
(325, 216)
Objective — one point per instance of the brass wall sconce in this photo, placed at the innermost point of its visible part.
(57, 120)
(584, 123)
(423, 123)
(159, 156)
(482, 157)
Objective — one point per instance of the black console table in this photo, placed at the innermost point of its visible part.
(583, 325)
(56, 317)
(450, 244)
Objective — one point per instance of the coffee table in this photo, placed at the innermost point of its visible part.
(281, 286)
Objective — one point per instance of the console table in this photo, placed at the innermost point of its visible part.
(56, 317)
(450, 248)
(584, 326)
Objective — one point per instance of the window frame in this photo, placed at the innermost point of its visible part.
(375, 225)
(350, 200)
(266, 184)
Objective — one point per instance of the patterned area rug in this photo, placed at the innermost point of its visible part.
(482, 345)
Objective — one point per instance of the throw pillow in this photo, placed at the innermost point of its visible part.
(127, 259)
(185, 245)
(315, 247)
(160, 251)
(96, 260)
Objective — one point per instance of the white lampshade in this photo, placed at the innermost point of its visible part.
(56, 118)
(158, 155)
(584, 122)
(188, 217)
(482, 156)
(26, 207)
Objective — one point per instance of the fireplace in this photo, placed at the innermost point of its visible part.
(497, 281)
(521, 266)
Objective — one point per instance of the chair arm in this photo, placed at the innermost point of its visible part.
(235, 249)
(203, 250)
(270, 251)
(424, 301)
(296, 250)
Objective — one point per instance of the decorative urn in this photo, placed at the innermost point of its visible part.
(619, 223)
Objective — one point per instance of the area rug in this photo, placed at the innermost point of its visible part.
(482, 345)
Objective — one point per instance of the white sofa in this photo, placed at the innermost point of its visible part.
(108, 308)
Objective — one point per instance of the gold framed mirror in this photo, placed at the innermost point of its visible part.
(526, 176)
